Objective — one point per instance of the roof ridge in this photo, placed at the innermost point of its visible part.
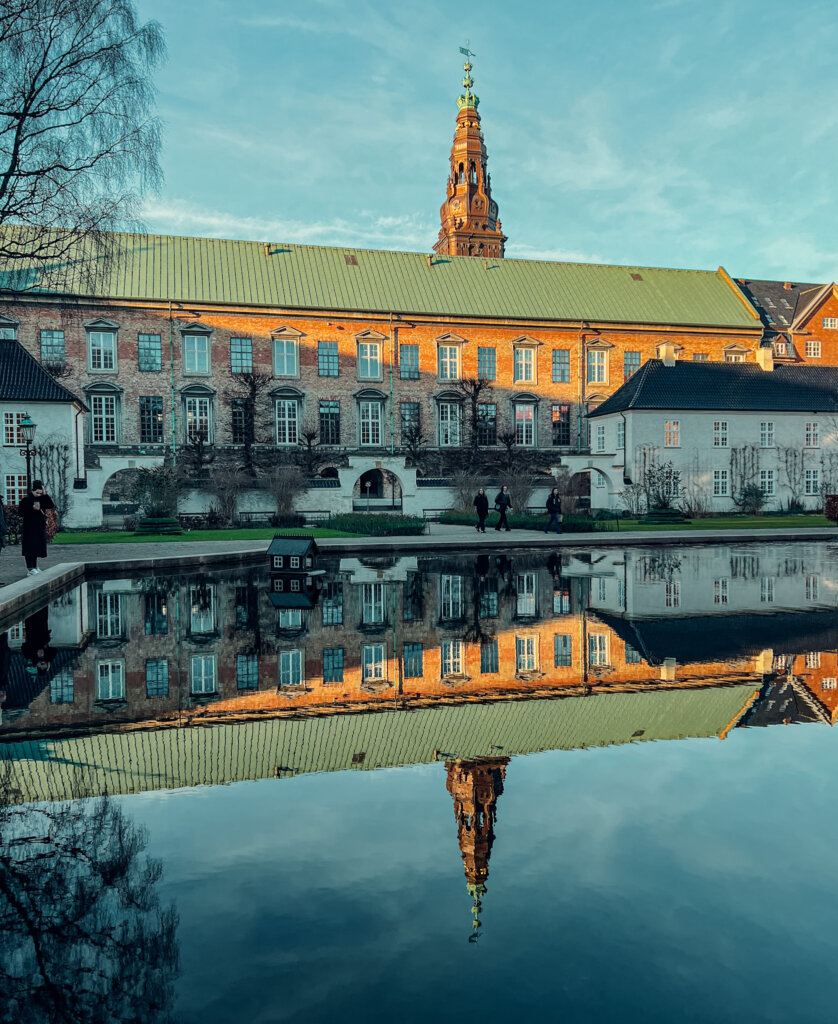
(644, 370)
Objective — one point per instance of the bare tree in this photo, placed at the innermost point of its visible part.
(226, 483)
(414, 440)
(53, 463)
(311, 458)
(79, 140)
(284, 482)
(745, 492)
(475, 391)
(794, 471)
(245, 389)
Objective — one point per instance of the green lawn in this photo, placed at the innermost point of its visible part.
(120, 537)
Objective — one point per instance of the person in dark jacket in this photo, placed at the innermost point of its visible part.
(33, 530)
(503, 504)
(4, 528)
(554, 507)
(481, 505)
(36, 637)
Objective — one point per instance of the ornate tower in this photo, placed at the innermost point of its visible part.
(470, 225)
(475, 787)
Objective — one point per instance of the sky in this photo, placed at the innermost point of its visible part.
(651, 133)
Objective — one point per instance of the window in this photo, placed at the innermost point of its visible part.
(110, 680)
(830, 323)
(599, 479)
(12, 434)
(102, 350)
(241, 355)
(525, 593)
(331, 602)
(812, 587)
(813, 481)
(286, 357)
(196, 353)
(449, 362)
(766, 433)
(327, 359)
(673, 594)
(413, 661)
(370, 416)
(766, 590)
(621, 434)
(597, 366)
(631, 364)
(247, 672)
(156, 677)
(720, 591)
(813, 348)
(245, 611)
(562, 650)
(202, 673)
(812, 659)
(156, 615)
(151, 419)
(103, 419)
(202, 609)
(489, 656)
(672, 434)
(238, 420)
(487, 423)
(333, 665)
(15, 488)
(526, 653)
(700, 357)
(487, 607)
(451, 658)
(369, 360)
(409, 362)
(524, 364)
(829, 683)
(812, 435)
(290, 668)
(721, 487)
(560, 416)
(451, 597)
(720, 433)
(449, 424)
(373, 662)
(108, 615)
(598, 649)
(8, 333)
(53, 349)
(287, 410)
(409, 417)
(487, 368)
(561, 599)
(561, 365)
(734, 357)
(62, 687)
(372, 603)
(198, 424)
(290, 618)
(149, 353)
(601, 589)
(632, 656)
(766, 482)
(525, 424)
(599, 445)
(330, 423)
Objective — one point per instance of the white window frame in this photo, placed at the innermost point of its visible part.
(108, 615)
(672, 594)
(197, 412)
(596, 366)
(196, 354)
(372, 604)
(526, 653)
(621, 434)
(767, 482)
(286, 357)
(766, 433)
(813, 437)
(369, 360)
(202, 620)
(598, 649)
(812, 482)
(448, 362)
(370, 417)
(12, 435)
(672, 434)
(766, 590)
(721, 483)
(289, 618)
(812, 584)
(373, 662)
(102, 351)
(291, 668)
(450, 416)
(15, 488)
(287, 422)
(830, 323)
(451, 596)
(523, 364)
(451, 658)
(813, 348)
(720, 434)
(203, 673)
(104, 419)
(110, 679)
(721, 589)
(525, 584)
(599, 433)
(812, 659)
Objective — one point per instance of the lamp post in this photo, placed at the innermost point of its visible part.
(27, 427)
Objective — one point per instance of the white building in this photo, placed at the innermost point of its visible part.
(723, 427)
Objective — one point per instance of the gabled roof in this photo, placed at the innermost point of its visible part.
(738, 387)
(292, 545)
(777, 305)
(286, 276)
(23, 379)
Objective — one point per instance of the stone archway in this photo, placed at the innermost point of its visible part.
(118, 500)
(377, 489)
(371, 484)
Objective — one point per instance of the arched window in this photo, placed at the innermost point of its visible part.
(472, 173)
(461, 175)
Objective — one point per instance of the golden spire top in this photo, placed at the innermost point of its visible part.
(468, 99)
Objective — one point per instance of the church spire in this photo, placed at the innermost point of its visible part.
(469, 215)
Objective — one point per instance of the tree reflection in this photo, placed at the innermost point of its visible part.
(83, 936)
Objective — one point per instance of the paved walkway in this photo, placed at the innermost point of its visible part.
(441, 538)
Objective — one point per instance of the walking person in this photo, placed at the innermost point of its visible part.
(4, 528)
(33, 531)
(554, 508)
(503, 504)
(481, 505)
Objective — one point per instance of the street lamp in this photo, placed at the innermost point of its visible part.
(27, 428)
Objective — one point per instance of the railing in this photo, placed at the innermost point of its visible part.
(377, 505)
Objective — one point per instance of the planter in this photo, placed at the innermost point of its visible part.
(158, 524)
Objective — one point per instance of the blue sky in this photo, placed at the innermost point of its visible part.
(655, 132)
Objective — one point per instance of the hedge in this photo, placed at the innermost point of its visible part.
(377, 524)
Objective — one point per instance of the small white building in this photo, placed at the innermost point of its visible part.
(723, 427)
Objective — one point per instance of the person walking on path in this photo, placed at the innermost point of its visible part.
(481, 505)
(554, 508)
(503, 504)
(33, 531)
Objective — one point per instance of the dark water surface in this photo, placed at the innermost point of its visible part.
(606, 795)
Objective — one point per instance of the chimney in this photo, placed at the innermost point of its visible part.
(668, 670)
(787, 285)
(667, 353)
(765, 358)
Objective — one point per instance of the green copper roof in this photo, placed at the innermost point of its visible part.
(133, 762)
(208, 270)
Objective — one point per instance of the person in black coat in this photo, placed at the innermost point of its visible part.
(36, 637)
(33, 530)
(481, 505)
(4, 529)
(503, 503)
(554, 507)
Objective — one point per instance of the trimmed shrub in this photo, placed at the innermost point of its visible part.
(830, 508)
(377, 524)
(287, 520)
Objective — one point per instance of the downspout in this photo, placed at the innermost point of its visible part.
(79, 473)
(172, 380)
(581, 388)
(392, 412)
(626, 475)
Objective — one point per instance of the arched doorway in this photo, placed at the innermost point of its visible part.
(580, 490)
(372, 484)
(377, 490)
(118, 498)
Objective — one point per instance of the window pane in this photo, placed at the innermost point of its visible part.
(241, 355)
(149, 353)
(561, 366)
(53, 350)
(413, 661)
(286, 421)
(409, 362)
(151, 419)
(285, 357)
(195, 353)
(329, 423)
(327, 358)
(487, 364)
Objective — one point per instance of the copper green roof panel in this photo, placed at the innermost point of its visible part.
(133, 762)
(208, 270)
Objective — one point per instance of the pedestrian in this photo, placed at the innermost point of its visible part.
(554, 507)
(481, 505)
(33, 530)
(36, 637)
(4, 528)
(503, 504)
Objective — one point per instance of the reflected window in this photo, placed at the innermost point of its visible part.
(108, 615)
(413, 661)
(563, 650)
(202, 673)
(813, 659)
(561, 601)
(247, 672)
(488, 599)
(372, 603)
(290, 668)
(156, 677)
(451, 657)
(632, 656)
(61, 687)
(598, 649)
(526, 653)
(373, 665)
(766, 590)
(812, 587)
(525, 593)
(110, 680)
(829, 683)
(600, 588)
(243, 607)
(489, 656)
(720, 591)
(202, 609)
(412, 598)
(451, 597)
(290, 618)
(333, 665)
(673, 594)
(331, 602)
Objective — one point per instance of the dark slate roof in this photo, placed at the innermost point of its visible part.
(726, 386)
(22, 378)
(291, 545)
(777, 305)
